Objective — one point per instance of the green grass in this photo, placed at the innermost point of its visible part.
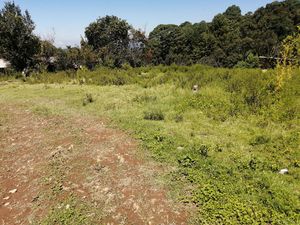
(227, 142)
(71, 211)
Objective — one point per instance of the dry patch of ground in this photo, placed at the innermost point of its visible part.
(48, 159)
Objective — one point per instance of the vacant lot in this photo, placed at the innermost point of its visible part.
(216, 152)
(58, 169)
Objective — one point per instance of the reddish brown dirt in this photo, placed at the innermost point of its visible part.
(46, 158)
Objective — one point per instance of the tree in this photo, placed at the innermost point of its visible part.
(226, 28)
(18, 44)
(273, 23)
(289, 58)
(137, 48)
(48, 50)
(203, 43)
(167, 42)
(89, 56)
(110, 37)
(229, 39)
(251, 61)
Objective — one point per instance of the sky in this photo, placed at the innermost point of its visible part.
(65, 20)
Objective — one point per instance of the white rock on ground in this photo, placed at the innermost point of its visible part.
(13, 191)
(284, 171)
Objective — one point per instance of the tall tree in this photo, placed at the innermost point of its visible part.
(18, 44)
(167, 44)
(226, 28)
(275, 22)
(109, 36)
(229, 39)
(137, 48)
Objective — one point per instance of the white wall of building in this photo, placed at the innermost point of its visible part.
(4, 64)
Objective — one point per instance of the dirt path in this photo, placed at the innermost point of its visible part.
(46, 159)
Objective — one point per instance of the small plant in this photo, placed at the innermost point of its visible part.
(218, 148)
(260, 140)
(69, 212)
(88, 99)
(253, 164)
(46, 86)
(82, 81)
(144, 98)
(203, 150)
(178, 118)
(187, 162)
(296, 164)
(154, 115)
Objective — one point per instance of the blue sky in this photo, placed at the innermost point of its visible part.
(68, 18)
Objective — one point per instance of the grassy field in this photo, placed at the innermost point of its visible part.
(226, 143)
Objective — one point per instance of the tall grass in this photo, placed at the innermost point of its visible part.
(226, 142)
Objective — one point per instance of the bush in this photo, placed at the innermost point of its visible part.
(259, 140)
(178, 118)
(144, 98)
(88, 99)
(154, 115)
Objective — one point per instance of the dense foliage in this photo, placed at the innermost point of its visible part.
(231, 39)
(18, 44)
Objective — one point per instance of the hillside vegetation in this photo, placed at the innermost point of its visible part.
(231, 39)
(226, 143)
(226, 133)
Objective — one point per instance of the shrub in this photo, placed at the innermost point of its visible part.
(88, 99)
(154, 115)
(178, 118)
(203, 150)
(144, 98)
(187, 162)
(259, 140)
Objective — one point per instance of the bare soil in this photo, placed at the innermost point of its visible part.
(46, 158)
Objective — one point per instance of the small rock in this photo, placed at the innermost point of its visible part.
(136, 207)
(67, 206)
(284, 171)
(121, 159)
(180, 148)
(6, 204)
(6, 198)
(13, 191)
(105, 190)
(66, 188)
(80, 191)
(195, 88)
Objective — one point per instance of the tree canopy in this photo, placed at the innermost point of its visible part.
(231, 39)
(109, 37)
(18, 44)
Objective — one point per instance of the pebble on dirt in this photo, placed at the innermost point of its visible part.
(6, 204)
(13, 191)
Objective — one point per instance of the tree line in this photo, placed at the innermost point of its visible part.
(231, 39)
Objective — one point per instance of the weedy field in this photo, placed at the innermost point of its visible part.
(225, 143)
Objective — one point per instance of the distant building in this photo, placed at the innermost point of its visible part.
(4, 64)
